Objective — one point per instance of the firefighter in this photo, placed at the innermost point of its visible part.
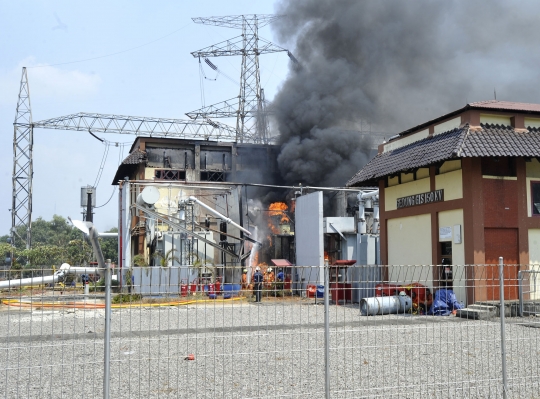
(257, 283)
(269, 279)
(244, 279)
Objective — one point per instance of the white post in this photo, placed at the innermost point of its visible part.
(503, 338)
(375, 226)
(362, 229)
(107, 335)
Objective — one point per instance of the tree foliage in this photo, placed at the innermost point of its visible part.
(168, 258)
(55, 242)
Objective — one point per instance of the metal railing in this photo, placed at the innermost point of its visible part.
(362, 331)
(534, 291)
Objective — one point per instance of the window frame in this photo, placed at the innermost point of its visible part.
(532, 183)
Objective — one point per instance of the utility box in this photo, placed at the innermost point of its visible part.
(84, 196)
(367, 272)
(334, 225)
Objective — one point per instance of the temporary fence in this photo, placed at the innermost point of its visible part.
(319, 331)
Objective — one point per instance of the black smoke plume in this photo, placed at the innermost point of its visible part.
(395, 64)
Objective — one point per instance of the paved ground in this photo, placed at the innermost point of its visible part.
(272, 349)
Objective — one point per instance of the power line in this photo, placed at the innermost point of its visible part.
(102, 166)
(110, 55)
(120, 154)
(109, 200)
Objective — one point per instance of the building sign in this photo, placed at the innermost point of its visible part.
(420, 199)
(445, 233)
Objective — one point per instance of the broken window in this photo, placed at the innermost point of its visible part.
(170, 174)
(212, 176)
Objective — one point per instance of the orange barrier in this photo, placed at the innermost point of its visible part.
(83, 305)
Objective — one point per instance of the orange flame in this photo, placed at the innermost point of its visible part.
(279, 209)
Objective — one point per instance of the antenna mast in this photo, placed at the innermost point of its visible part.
(248, 108)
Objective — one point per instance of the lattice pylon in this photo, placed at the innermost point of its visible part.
(247, 108)
(23, 142)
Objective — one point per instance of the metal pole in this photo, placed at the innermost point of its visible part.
(503, 340)
(107, 337)
(520, 293)
(326, 332)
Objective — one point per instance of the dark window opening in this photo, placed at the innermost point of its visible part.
(168, 174)
(535, 197)
(446, 264)
(212, 176)
(499, 166)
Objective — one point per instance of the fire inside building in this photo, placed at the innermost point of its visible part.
(191, 202)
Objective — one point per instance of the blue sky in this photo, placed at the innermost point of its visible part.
(160, 79)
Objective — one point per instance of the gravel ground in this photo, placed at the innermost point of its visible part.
(272, 349)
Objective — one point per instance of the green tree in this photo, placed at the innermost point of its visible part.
(140, 260)
(169, 257)
(109, 246)
(55, 242)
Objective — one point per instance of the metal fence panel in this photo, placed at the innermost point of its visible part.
(51, 340)
(172, 342)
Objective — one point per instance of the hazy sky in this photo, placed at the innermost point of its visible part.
(395, 63)
(160, 79)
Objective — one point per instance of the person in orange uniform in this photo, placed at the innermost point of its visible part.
(244, 279)
(269, 279)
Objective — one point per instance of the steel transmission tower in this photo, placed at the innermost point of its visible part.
(248, 107)
(23, 142)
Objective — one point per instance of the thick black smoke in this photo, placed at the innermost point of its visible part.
(395, 64)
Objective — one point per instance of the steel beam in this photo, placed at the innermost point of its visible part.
(202, 129)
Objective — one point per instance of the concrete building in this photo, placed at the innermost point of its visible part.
(462, 189)
(178, 169)
(162, 159)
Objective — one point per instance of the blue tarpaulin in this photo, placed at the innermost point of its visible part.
(444, 303)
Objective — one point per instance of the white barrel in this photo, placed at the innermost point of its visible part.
(385, 305)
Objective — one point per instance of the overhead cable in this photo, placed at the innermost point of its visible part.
(102, 166)
(110, 55)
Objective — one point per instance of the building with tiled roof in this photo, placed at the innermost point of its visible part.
(462, 189)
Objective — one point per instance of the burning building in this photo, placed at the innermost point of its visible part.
(197, 200)
(168, 175)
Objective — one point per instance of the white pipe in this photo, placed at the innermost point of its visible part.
(82, 270)
(108, 235)
(371, 194)
(219, 215)
(58, 276)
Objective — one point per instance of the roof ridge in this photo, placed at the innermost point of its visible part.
(497, 125)
(462, 143)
